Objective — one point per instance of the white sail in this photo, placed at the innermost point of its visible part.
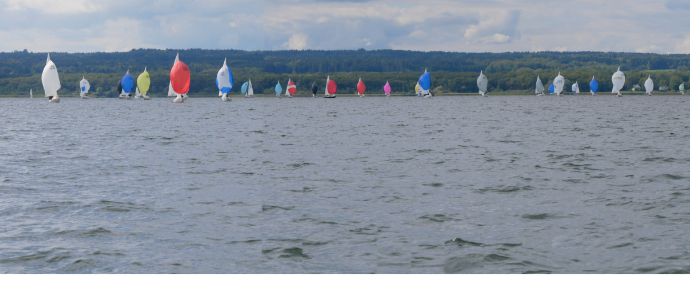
(84, 86)
(31, 93)
(50, 78)
(540, 86)
(137, 94)
(649, 85)
(171, 92)
(618, 80)
(558, 84)
(575, 88)
(250, 90)
(327, 80)
(223, 77)
(482, 83)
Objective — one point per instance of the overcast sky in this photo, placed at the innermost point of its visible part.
(430, 25)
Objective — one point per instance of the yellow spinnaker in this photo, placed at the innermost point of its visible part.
(143, 82)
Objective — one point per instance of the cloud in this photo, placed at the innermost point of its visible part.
(297, 42)
(499, 27)
(53, 6)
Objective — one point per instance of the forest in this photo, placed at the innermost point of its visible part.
(452, 72)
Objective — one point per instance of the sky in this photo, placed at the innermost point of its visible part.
(430, 25)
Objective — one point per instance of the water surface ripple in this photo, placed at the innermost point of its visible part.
(348, 185)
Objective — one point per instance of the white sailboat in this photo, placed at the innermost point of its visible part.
(137, 94)
(618, 80)
(482, 83)
(576, 88)
(224, 81)
(31, 93)
(171, 92)
(84, 87)
(649, 85)
(331, 88)
(539, 90)
(558, 84)
(51, 81)
(250, 90)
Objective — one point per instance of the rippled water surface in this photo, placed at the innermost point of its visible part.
(347, 185)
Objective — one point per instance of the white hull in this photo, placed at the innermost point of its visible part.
(427, 96)
(226, 98)
(85, 97)
(180, 99)
(147, 98)
(329, 96)
(388, 95)
(54, 100)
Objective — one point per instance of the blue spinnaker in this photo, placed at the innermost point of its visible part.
(244, 87)
(593, 85)
(127, 83)
(551, 88)
(425, 81)
(279, 89)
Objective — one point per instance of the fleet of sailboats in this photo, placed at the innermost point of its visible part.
(649, 85)
(482, 83)
(51, 81)
(84, 88)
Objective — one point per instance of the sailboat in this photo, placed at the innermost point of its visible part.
(387, 89)
(127, 84)
(539, 90)
(482, 83)
(576, 88)
(551, 88)
(593, 86)
(171, 91)
(681, 88)
(247, 89)
(425, 84)
(418, 90)
(31, 93)
(618, 80)
(84, 87)
(243, 89)
(361, 88)
(51, 81)
(558, 84)
(144, 82)
(314, 89)
(224, 81)
(179, 79)
(279, 89)
(290, 89)
(649, 85)
(331, 88)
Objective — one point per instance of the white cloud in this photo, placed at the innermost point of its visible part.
(297, 42)
(52, 6)
(496, 26)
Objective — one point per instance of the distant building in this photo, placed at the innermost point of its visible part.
(636, 87)
(663, 88)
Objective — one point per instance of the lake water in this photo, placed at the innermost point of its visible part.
(504, 184)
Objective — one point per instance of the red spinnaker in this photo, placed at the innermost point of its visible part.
(291, 88)
(360, 87)
(179, 78)
(332, 87)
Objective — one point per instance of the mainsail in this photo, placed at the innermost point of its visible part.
(171, 91)
(50, 79)
(250, 90)
(540, 86)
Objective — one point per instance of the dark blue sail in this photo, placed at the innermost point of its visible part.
(551, 88)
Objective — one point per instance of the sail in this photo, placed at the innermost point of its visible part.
(361, 87)
(649, 85)
(593, 85)
(179, 78)
(540, 86)
(84, 85)
(387, 88)
(137, 92)
(50, 78)
(119, 86)
(171, 91)
(127, 83)
(224, 78)
(314, 88)
(482, 82)
(243, 89)
(682, 87)
(425, 82)
(250, 90)
(558, 83)
(331, 87)
(574, 87)
(551, 88)
(416, 88)
(279, 88)
(291, 87)
(577, 90)
(31, 93)
(144, 82)
(618, 80)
